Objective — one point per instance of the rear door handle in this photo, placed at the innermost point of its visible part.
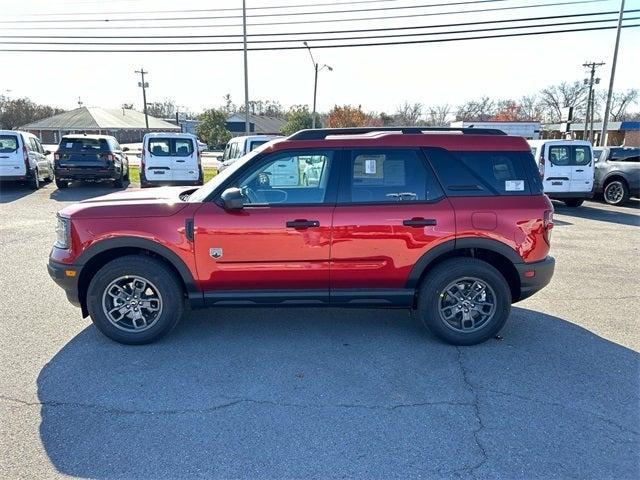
(301, 224)
(580, 170)
(419, 222)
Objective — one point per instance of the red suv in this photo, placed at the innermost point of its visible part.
(452, 223)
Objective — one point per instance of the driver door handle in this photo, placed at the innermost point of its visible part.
(419, 222)
(302, 224)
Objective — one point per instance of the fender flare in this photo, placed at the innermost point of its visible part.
(469, 242)
(145, 244)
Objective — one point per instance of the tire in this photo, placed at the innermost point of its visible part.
(119, 182)
(126, 177)
(574, 202)
(34, 182)
(432, 295)
(62, 184)
(616, 192)
(51, 176)
(160, 279)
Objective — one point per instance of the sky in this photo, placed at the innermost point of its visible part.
(378, 78)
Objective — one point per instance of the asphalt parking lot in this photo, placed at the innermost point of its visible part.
(312, 393)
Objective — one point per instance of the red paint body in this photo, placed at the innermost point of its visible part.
(355, 246)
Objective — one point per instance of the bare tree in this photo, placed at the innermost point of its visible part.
(476, 110)
(621, 101)
(556, 97)
(408, 114)
(438, 115)
(530, 108)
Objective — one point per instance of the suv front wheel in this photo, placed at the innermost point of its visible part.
(464, 301)
(135, 300)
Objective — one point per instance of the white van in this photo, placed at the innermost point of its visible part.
(566, 168)
(23, 159)
(170, 159)
(239, 146)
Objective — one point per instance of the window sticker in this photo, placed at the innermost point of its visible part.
(369, 167)
(70, 145)
(514, 185)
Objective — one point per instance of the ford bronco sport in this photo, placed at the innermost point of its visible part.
(449, 222)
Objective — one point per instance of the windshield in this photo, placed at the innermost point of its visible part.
(205, 190)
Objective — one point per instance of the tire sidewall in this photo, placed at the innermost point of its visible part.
(154, 271)
(445, 273)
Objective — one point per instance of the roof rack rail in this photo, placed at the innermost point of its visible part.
(322, 133)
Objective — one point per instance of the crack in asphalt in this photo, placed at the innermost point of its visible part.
(231, 403)
(471, 469)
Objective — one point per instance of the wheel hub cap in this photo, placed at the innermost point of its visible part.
(132, 303)
(467, 304)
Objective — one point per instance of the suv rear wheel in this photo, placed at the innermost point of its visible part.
(135, 300)
(61, 183)
(616, 192)
(464, 301)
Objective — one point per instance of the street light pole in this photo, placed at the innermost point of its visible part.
(246, 69)
(607, 108)
(144, 86)
(317, 68)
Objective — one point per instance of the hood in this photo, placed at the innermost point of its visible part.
(148, 202)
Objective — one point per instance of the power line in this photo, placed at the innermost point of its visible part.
(286, 14)
(368, 37)
(408, 42)
(198, 10)
(333, 20)
(307, 33)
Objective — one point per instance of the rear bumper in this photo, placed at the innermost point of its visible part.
(565, 195)
(87, 173)
(531, 283)
(61, 273)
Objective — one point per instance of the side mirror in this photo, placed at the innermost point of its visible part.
(232, 199)
(47, 152)
(125, 149)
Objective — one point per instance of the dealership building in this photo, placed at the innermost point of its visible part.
(128, 126)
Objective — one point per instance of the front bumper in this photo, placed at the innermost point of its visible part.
(66, 276)
(535, 276)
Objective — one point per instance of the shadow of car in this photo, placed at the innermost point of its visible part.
(301, 394)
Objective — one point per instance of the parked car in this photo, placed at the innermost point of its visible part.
(23, 159)
(566, 168)
(617, 174)
(239, 146)
(454, 226)
(170, 159)
(93, 158)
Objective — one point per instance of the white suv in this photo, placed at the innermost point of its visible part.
(23, 159)
(170, 159)
(239, 146)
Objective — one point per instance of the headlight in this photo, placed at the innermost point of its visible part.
(63, 233)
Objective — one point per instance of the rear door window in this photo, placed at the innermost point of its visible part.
(84, 144)
(485, 173)
(160, 147)
(570, 155)
(390, 176)
(256, 143)
(183, 147)
(8, 143)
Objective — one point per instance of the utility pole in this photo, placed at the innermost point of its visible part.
(607, 108)
(590, 99)
(80, 102)
(144, 86)
(246, 69)
(316, 69)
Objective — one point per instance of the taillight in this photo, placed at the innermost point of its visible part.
(25, 152)
(56, 156)
(142, 160)
(108, 157)
(547, 224)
